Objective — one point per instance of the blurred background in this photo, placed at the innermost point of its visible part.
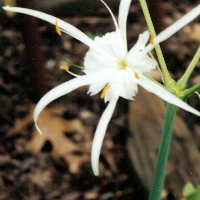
(56, 165)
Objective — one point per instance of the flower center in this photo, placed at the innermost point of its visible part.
(123, 64)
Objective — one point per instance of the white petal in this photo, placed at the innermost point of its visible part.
(168, 32)
(122, 83)
(142, 41)
(142, 63)
(99, 135)
(165, 95)
(97, 85)
(56, 93)
(122, 49)
(110, 43)
(64, 26)
(123, 13)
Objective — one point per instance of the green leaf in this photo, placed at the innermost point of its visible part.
(190, 192)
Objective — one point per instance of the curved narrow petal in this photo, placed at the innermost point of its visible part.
(168, 32)
(165, 95)
(64, 26)
(123, 14)
(73, 31)
(57, 92)
(99, 135)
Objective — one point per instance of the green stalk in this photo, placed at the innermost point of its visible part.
(161, 59)
(188, 92)
(182, 82)
(159, 175)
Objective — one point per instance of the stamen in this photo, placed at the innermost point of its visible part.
(152, 38)
(136, 75)
(160, 71)
(57, 28)
(104, 91)
(73, 64)
(65, 67)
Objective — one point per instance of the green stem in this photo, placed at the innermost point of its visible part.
(161, 59)
(159, 175)
(182, 82)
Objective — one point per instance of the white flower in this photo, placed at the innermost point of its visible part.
(110, 67)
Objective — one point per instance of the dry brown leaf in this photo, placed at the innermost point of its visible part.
(69, 138)
(195, 32)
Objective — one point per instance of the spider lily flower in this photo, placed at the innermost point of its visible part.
(110, 67)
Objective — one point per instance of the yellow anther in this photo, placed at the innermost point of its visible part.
(65, 67)
(57, 28)
(151, 39)
(104, 91)
(136, 75)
